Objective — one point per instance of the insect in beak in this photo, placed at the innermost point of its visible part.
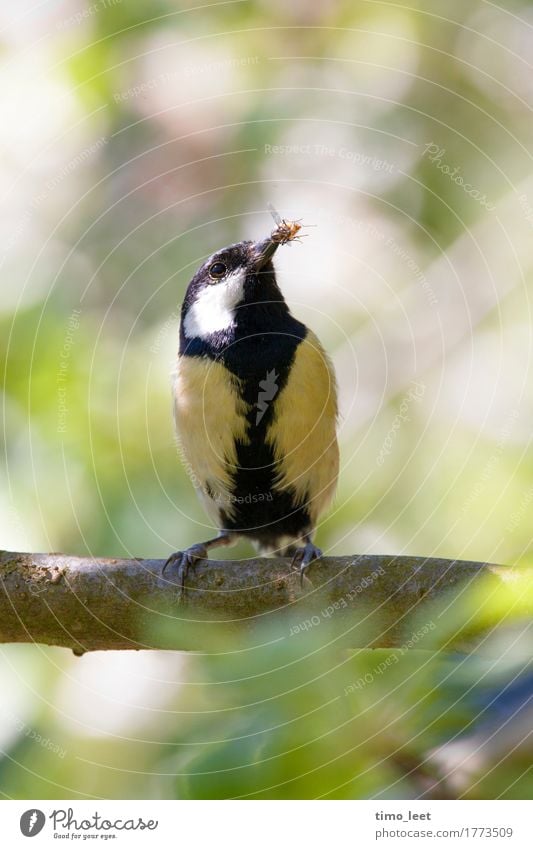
(285, 231)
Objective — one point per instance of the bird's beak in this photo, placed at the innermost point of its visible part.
(263, 251)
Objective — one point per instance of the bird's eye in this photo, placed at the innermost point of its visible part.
(217, 270)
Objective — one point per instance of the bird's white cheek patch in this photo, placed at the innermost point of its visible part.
(214, 308)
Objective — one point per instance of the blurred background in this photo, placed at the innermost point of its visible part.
(137, 138)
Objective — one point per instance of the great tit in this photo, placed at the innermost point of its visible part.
(255, 405)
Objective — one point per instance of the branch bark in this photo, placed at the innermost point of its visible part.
(91, 604)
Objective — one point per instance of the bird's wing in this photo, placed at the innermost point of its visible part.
(303, 430)
(210, 416)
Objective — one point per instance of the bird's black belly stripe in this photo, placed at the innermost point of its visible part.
(260, 511)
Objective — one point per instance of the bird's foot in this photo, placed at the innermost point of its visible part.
(303, 556)
(185, 560)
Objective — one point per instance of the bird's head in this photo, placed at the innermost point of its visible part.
(236, 284)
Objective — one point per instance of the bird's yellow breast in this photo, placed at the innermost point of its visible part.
(210, 417)
(303, 430)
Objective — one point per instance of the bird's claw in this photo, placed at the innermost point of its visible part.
(185, 560)
(303, 556)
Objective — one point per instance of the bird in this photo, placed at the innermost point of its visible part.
(255, 408)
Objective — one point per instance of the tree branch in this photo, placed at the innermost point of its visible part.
(89, 604)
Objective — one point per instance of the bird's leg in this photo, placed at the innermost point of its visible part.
(304, 555)
(188, 558)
